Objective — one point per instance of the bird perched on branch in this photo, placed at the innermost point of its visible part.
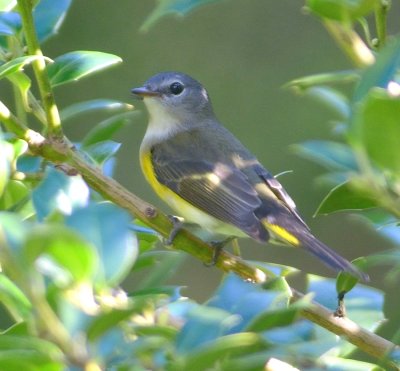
(206, 174)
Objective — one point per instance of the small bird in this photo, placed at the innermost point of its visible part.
(206, 174)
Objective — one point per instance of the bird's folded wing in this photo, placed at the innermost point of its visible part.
(276, 187)
(219, 190)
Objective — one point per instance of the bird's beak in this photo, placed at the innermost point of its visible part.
(144, 91)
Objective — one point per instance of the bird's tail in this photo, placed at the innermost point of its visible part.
(303, 238)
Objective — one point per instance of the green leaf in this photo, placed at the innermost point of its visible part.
(23, 83)
(248, 300)
(7, 5)
(341, 10)
(54, 246)
(10, 22)
(333, 155)
(78, 64)
(7, 153)
(108, 105)
(204, 324)
(205, 357)
(345, 282)
(381, 72)
(14, 299)
(49, 16)
(14, 230)
(102, 151)
(163, 269)
(344, 197)
(377, 123)
(59, 192)
(107, 321)
(331, 363)
(107, 228)
(32, 353)
(333, 99)
(16, 65)
(278, 317)
(306, 82)
(106, 129)
(167, 7)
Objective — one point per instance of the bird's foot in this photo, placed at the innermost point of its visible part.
(177, 224)
(217, 248)
(340, 311)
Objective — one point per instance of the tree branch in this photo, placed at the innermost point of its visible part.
(39, 68)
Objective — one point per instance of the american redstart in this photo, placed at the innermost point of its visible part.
(203, 172)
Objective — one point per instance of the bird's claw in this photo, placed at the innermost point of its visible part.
(217, 249)
(177, 224)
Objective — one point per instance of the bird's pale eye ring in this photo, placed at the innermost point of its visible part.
(176, 88)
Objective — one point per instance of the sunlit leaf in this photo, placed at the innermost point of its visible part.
(14, 299)
(75, 65)
(168, 7)
(16, 65)
(58, 247)
(60, 192)
(7, 5)
(107, 228)
(381, 72)
(49, 16)
(108, 105)
(377, 124)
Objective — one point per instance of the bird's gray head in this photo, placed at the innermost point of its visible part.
(175, 97)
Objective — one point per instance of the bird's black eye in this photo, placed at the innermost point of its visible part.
(176, 88)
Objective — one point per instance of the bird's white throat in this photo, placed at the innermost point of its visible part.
(162, 124)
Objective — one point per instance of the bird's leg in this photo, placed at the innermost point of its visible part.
(341, 309)
(236, 247)
(177, 224)
(217, 248)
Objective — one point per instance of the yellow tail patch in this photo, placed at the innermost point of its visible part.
(282, 233)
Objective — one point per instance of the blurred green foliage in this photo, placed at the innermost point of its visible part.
(65, 251)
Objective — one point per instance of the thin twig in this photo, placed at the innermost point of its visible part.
(39, 67)
(351, 43)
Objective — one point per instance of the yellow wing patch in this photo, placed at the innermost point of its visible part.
(282, 233)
